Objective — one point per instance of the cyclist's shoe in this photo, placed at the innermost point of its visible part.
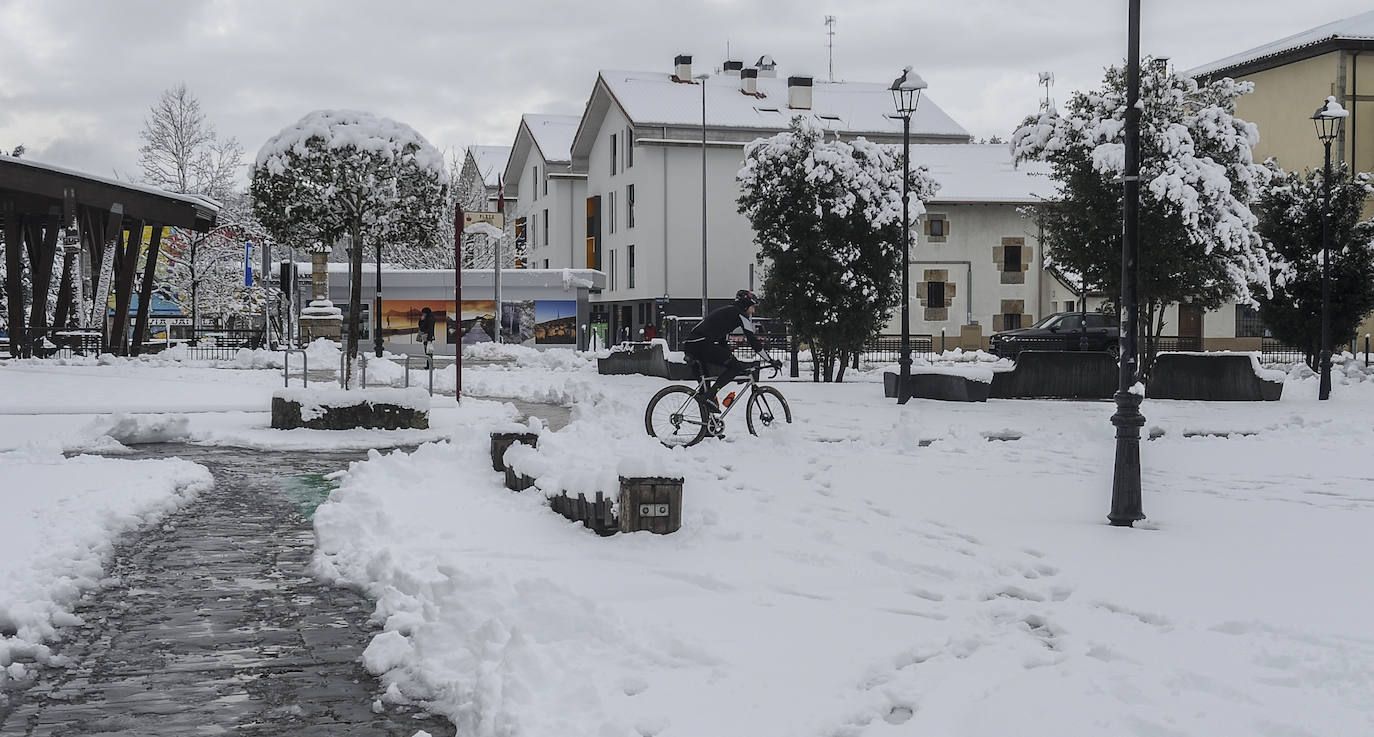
(711, 405)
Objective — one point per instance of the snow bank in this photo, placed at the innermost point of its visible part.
(314, 399)
(61, 518)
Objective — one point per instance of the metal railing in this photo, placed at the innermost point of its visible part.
(1272, 351)
(888, 348)
(286, 366)
(54, 343)
(223, 345)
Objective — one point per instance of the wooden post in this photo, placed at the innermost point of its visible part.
(652, 503)
(501, 441)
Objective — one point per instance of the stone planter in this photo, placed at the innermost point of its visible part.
(944, 387)
(1216, 377)
(1058, 375)
(337, 409)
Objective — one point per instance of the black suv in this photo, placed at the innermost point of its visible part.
(1062, 331)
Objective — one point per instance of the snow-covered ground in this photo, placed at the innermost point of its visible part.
(869, 570)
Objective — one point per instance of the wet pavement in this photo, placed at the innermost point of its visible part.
(212, 624)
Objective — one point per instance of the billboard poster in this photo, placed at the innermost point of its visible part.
(478, 321)
(555, 322)
(401, 320)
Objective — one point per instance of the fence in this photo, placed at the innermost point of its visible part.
(223, 345)
(54, 343)
(1272, 351)
(888, 348)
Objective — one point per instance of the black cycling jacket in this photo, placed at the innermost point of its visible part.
(724, 321)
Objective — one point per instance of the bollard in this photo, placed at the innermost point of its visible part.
(430, 361)
(650, 503)
(343, 359)
(407, 370)
(1366, 350)
(501, 441)
(942, 341)
(362, 372)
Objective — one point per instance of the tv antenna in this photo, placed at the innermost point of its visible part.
(1047, 80)
(830, 31)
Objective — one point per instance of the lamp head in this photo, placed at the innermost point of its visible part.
(1328, 119)
(906, 92)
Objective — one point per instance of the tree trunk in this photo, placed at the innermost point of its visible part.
(355, 298)
(844, 363)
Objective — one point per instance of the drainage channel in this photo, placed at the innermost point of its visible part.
(212, 623)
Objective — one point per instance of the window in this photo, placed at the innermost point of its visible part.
(546, 227)
(546, 263)
(1069, 305)
(630, 267)
(937, 228)
(1011, 259)
(629, 147)
(1011, 322)
(534, 182)
(630, 206)
(1248, 323)
(534, 226)
(611, 275)
(545, 182)
(935, 294)
(610, 212)
(614, 152)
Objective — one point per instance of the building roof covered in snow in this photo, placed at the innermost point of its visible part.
(982, 173)
(1355, 32)
(490, 161)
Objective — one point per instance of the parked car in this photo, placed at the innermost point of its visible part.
(1062, 331)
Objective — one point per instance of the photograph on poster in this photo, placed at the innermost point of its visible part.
(555, 322)
(401, 320)
(517, 322)
(478, 321)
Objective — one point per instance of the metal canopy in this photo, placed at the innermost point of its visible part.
(38, 202)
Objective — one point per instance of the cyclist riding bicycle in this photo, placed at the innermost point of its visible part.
(706, 343)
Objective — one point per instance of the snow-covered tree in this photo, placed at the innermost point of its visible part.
(181, 151)
(1290, 215)
(1199, 242)
(339, 172)
(205, 270)
(827, 216)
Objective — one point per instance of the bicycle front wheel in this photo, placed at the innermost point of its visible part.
(767, 410)
(676, 417)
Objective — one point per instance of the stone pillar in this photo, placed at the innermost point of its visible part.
(321, 319)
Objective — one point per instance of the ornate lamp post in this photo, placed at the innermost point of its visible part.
(1126, 508)
(906, 95)
(1327, 119)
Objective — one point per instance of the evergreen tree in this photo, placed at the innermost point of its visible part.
(1198, 239)
(338, 172)
(827, 215)
(1290, 220)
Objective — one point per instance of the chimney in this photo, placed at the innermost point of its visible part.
(733, 67)
(799, 93)
(683, 64)
(766, 66)
(749, 81)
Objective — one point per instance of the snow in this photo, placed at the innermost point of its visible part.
(553, 134)
(340, 129)
(870, 570)
(314, 399)
(1356, 27)
(491, 162)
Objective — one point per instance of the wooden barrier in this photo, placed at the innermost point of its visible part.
(650, 503)
(501, 441)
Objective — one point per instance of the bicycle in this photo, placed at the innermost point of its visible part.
(680, 416)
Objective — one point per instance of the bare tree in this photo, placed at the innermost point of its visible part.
(182, 152)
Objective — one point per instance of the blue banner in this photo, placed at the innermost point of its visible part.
(248, 263)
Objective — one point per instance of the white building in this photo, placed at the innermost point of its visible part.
(548, 196)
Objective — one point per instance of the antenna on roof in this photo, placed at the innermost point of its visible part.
(830, 31)
(1046, 79)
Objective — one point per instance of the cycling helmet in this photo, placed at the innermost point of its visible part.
(746, 299)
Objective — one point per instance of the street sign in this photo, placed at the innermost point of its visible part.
(494, 219)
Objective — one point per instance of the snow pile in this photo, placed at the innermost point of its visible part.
(136, 429)
(972, 373)
(61, 518)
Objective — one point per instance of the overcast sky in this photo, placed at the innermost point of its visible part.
(77, 77)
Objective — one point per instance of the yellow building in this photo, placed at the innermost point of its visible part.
(1293, 77)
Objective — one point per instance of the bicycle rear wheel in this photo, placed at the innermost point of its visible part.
(767, 410)
(676, 417)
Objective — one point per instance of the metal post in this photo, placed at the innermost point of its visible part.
(362, 357)
(407, 370)
(457, 302)
(286, 369)
(431, 377)
(1126, 504)
(1324, 389)
(343, 357)
(904, 361)
(1366, 350)
(705, 303)
(305, 369)
(377, 304)
(942, 341)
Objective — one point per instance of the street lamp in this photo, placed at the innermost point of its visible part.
(1126, 507)
(701, 80)
(1327, 119)
(906, 95)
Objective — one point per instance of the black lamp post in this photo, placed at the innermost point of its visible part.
(1327, 119)
(906, 95)
(1126, 507)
